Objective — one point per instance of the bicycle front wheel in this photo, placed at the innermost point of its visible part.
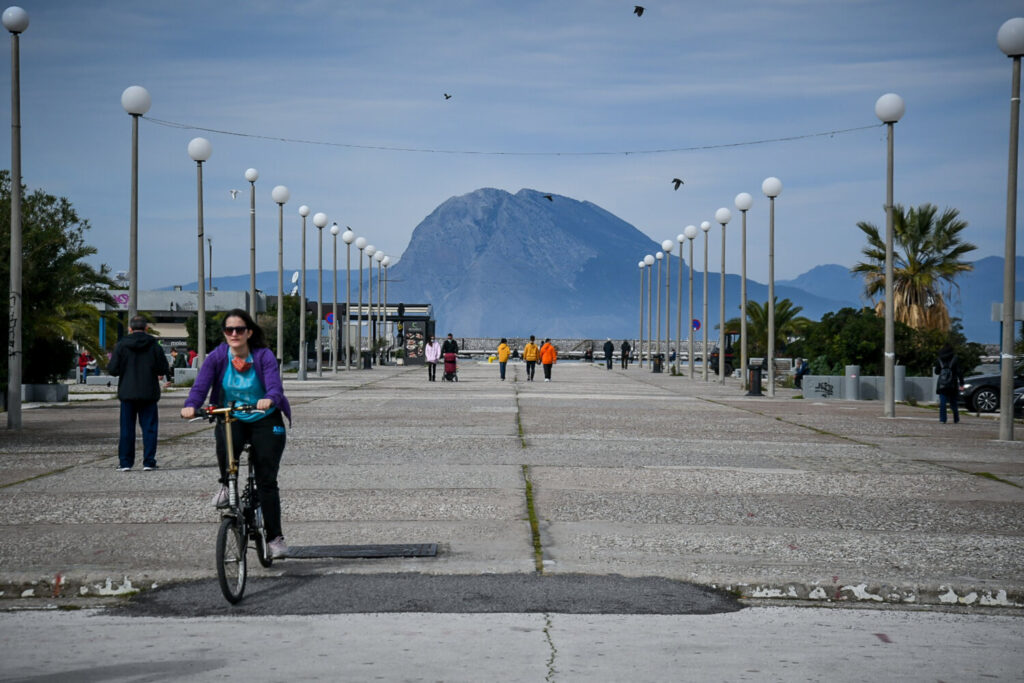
(231, 569)
(260, 535)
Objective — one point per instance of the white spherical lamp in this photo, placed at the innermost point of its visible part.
(772, 187)
(135, 99)
(889, 108)
(200, 149)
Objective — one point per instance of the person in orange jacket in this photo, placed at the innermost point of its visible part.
(548, 357)
(503, 353)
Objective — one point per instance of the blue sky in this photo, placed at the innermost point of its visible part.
(528, 79)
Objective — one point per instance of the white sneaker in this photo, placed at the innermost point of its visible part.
(220, 499)
(547, 380)
(278, 548)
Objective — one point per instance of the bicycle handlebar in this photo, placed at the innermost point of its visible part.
(211, 412)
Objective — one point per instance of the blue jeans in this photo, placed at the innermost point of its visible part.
(501, 368)
(951, 398)
(149, 420)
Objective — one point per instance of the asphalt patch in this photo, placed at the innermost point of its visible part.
(442, 594)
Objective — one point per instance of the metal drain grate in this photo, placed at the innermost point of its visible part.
(310, 552)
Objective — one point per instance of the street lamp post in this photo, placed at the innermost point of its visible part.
(334, 303)
(199, 149)
(659, 256)
(303, 211)
(136, 101)
(370, 251)
(889, 108)
(690, 232)
(722, 216)
(649, 262)
(320, 221)
(385, 262)
(280, 194)
(705, 226)
(640, 338)
(1011, 41)
(209, 271)
(680, 238)
(772, 188)
(743, 202)
(348, 237)
(666, 246)
(360, 245)
(251, 174)
(15, 20)
(379, 258)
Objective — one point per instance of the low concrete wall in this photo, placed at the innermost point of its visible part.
(871, 388)
(44, 393)
(102, 380)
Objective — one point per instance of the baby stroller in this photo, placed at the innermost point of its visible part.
(451, 373)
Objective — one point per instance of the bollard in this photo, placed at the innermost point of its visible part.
(754, 380)
(656, 365)
(851, 383)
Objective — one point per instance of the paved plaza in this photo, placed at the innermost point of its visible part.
(624, 472)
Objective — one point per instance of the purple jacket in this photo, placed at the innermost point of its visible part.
(216, 364)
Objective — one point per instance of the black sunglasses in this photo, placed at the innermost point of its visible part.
(236, 330)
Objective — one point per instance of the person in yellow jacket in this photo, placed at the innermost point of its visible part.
(503, 353)
(531, 354)
(548, 357)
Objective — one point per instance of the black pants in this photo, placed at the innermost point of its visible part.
(431, 372)
(547, 370)
(608, 361)
(531, 367)
(625, 361)
(267, 437)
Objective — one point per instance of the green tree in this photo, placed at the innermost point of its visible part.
(788, 324)
(927, 257)
(60, 292)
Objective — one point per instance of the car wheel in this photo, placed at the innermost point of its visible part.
(986, 400)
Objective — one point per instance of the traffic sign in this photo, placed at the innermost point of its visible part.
(329, 318)
(696, 324)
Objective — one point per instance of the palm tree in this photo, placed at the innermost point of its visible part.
(788, 324)
(926, 260)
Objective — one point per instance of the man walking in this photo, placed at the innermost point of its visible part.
(548, 357)
(625, 349)
(531, 354)
(138, 362)
(609, 351)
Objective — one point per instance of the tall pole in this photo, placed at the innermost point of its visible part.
(1011, 42)
(667, 246)
(379, 258)
(723, 216)
(15, 20)
(385, 262)
(209, 244)
(657, 347)
(679, 304)
(348, 237)
(640, 337)
(133, 239)
(334, 303)
(303, 356)
(772, 188)
(743, 202)
(251, 174)
(280, 286)
(649, 260)
(320, 302)
(889, 108)
(360, 245)
(705, 226)
(370, 251)
(199, 149)
(690, 232)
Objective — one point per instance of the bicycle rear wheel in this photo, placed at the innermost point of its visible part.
(231, 568)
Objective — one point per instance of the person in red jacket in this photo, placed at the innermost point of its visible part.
(548, 357)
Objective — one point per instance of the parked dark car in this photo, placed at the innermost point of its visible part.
(1018, 402)
(980, 393)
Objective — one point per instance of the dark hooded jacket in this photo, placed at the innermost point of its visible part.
(138, 362)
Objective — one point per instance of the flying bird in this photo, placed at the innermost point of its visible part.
(234, 193)
(447, 96)
(677, 182)
(638, 10)
(549, 198)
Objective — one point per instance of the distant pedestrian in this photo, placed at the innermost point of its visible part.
(139, 363)
(432, 354)
(548, 357)
(802, 368)
(949, 381)
(503, 354)
(192, 355)
(609, 351)
(625, 349)
(531, 354)
(450, 345)
(83, 366)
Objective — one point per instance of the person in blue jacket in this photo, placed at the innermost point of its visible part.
(243, 370)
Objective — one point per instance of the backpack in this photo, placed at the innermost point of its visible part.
(947, 382)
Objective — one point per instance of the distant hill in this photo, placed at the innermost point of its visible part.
(495, 264)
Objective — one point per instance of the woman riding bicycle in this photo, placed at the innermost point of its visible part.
(244, 371)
